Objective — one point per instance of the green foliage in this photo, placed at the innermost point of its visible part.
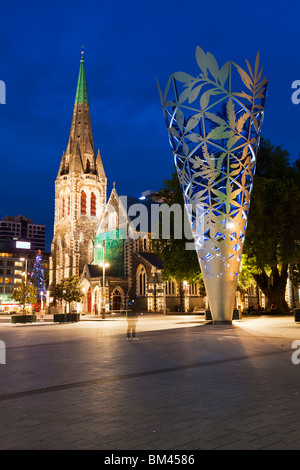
(179, 263)
(24, 294)
(294, 273)
(247, 272)
(273, 233)
(69, 290)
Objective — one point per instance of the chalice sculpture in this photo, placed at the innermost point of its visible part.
(214, 121)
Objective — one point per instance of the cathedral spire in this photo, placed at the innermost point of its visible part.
(80, 151)
(81, 92)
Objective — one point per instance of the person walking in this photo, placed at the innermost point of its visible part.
(132, 319)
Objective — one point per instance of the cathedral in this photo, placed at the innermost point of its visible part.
(80, 194)
(97, 240)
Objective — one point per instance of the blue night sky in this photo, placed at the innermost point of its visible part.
(127, 45)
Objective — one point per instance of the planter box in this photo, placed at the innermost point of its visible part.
(236, 315)
(208, 316)
(23, 318)
(66, 317)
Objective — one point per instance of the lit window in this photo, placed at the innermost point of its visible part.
(63, 208)
(83, 202)
(193, 289)
(141, 280)
(170, 287)
(93, 204)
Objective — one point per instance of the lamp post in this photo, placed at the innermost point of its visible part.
(104, 265)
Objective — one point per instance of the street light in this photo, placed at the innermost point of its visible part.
(104, 265)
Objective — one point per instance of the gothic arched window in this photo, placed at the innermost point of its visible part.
(93, 204)
(88, 166)
(141, 280)
(170, 288)
(83, 202)
(63, 207)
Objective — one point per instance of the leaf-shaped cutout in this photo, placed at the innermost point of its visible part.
(204, 100)
(185, 148)
(220, 195)
(184, 95)
(195, 137)
(255, 122)
(232, 140)
(244, 95)
(174, 132)
(223, 74)
(179, 119)
(201, 59)
(250, 69)
(256, 64)
(217, 119)
(192, 122)
(216, 133)
(212, 65)
(245, 77)
(183, 77)
(194, 93)
(170, 104)
(167, 88)
(231, 113)
(241, 122)
(220, 160)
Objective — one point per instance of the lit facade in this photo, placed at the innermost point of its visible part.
(80, 194)
(134, 272)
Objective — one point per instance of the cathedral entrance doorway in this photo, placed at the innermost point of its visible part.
(89, 301)
(117, 301)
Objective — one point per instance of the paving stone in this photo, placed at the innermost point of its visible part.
(183, 386)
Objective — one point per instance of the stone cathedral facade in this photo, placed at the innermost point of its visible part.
(80, 194)
(84, 221)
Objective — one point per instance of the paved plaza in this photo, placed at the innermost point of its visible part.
(185, 385)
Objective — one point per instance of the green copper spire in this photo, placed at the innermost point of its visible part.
(81, 92)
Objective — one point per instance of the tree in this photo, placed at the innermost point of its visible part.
(178, 262)
(294, 273)
(273, 233)
(38, 276)
(24, 294)
(69, 290)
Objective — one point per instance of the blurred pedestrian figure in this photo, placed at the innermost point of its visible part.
(132, 319)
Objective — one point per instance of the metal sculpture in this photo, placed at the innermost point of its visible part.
(214, 133)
